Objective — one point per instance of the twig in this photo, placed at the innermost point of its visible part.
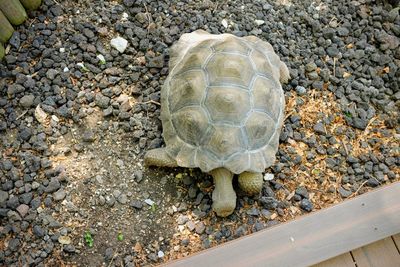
(288, 115)
(345, 147)
(355, 193)
(216, 7)
(147, 12)
(334, 67)
(369, 124)
(20, 116)
(338, 182)
(149, 102)
(73, 81)
(222, 4)
(149, 18)
(73, 137)
(32, 21)
(115, 255)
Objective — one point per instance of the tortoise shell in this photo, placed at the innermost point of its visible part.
(222, 104)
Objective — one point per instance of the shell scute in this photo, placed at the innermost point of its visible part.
(190, 124)
(266, 97)
(232, 45)
(227, 104)
(259, 129)
(225, 140)
(186, 89)
(225, 69)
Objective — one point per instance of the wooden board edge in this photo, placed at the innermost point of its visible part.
(232, 246)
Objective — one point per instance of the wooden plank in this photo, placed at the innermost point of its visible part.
(396, 239)
(344, 260)
(313, 238)
(382, 253)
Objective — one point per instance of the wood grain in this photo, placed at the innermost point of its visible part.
(397, 241)
(344, 260)
(382, 253)
(313, 238)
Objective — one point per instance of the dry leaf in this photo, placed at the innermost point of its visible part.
(64, 239)
(289, 197)
(141, 60)
(291, 142)
(40, 115)
(138, 248)
(294, 209)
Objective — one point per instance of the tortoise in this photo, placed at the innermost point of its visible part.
(222, 108)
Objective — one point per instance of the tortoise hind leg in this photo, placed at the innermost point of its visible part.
(223, 196)
(159, 157)
(251, 182)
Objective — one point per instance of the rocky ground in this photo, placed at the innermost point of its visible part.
(77, 115)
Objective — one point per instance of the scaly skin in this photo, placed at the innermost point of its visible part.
(224, 197)
(159, 157)
(284, 73)
(251, 182)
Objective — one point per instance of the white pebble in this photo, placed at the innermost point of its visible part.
(62, 50)
(55, 118)
(268, 177)
(119, 43)
(99, 179)
(120, 163)
(64, 240)
(66, 69)
(101, 58)
(259, 22)
(149, 202)
(224, 23)
(160, 254)
(35, 185)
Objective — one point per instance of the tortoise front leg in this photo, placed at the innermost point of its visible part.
(224, 197)
(284, 73)
(159, 157)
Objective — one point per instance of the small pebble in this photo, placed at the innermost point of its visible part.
(306, 204)
(119, 43)
(160, 254)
